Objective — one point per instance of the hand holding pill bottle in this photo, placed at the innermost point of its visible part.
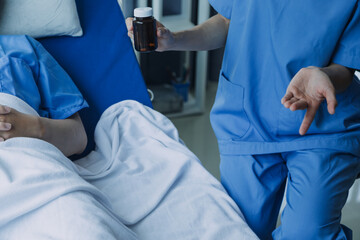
(145, 39)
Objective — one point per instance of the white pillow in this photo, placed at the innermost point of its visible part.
(39, 18)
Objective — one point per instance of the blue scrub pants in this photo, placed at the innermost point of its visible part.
(317, 190)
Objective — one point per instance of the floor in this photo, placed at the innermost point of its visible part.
(198, 135)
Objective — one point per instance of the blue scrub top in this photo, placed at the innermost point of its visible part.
(268, 43)
(29, 72)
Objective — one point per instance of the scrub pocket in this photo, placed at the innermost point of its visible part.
(228, 117)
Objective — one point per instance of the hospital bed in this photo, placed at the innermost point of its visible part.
(136, 179)
(102, 88)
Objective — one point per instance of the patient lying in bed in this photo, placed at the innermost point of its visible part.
(31, 74)
(140, 181)
(42, 194)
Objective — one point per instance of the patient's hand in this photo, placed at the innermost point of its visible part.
(165, 36)
(307, 90)
(66, 134)
(16, 124)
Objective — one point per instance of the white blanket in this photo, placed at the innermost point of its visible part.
(140, 174)
(156, 185)
(42, 196)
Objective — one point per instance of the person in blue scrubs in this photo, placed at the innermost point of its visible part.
(30, 73)
(287, 66)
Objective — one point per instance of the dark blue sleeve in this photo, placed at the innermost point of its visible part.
(224, 7)
(60, 98)
(348, 48)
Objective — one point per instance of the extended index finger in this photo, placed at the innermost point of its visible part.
(308, 119)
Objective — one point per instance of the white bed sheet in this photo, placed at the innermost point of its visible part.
(140, 175)
(157, 186)
(42, 196)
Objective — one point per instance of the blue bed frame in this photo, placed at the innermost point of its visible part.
(102, 63)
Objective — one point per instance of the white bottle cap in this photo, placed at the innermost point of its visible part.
(143, 12)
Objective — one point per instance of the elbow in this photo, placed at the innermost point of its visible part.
(224, 24)
(225, 20)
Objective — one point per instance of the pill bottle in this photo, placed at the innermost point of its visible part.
(145, 39)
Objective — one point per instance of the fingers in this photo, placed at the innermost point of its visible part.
(4, 109)
(308, 119)
(129, 23)
(330, 100)
(287, 97)
(130, 28)
(289, 102)
(298, 105)
(294, 103)
(331, 106)
(163, 32)
(5, 126)
(292, 93)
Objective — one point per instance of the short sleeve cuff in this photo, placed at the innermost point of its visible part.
(224, 7)
(64, 112)
(347, 57)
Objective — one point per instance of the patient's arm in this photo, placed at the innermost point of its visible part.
(66, 134)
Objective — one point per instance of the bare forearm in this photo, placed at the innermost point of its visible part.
(341, 77)
(67, 134)
(210, 35)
